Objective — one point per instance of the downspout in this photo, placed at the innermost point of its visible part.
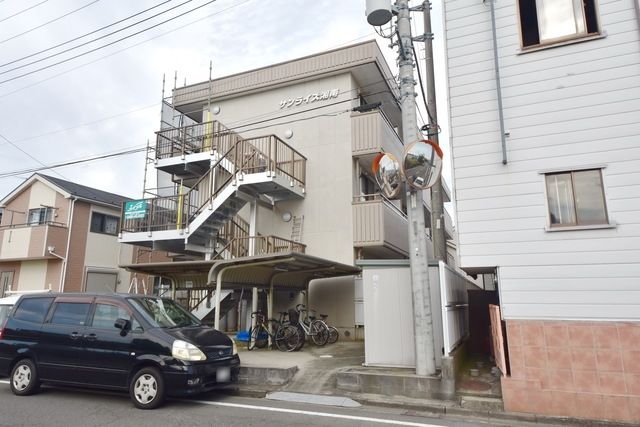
(66, 255)
(216, 325)
(637, 5)
(498, 87)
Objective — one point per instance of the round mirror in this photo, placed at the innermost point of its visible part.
(386, 170)
(422, 164)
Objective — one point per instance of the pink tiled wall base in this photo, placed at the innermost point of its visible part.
(575, 369)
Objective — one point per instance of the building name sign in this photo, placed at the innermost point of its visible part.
(312, 97)
(135, 209)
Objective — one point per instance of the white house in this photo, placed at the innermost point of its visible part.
(545, 131)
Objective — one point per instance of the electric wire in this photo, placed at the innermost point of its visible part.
(105, 45)
(143, 148)
(49, 22)
(121, 50)
(424, 97)
(30, 156)
(85, 35)
(98, 38)
(23, 11)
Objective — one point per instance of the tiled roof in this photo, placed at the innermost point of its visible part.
(86, 193)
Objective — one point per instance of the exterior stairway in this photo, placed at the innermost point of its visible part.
(240, 170)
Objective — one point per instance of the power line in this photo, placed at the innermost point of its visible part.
(108, 44)
(29, 155)
(23, 11)
(49, 22)
(121, 50)
(84, 124)
(102, 37)
(85, 35)
(141, 149)
(73, 162)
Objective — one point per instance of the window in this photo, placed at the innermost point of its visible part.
(102, 223)
(33, 309)
(576, 198)
(106, 315)
(70, 313)
(40, 216)
(548, 21)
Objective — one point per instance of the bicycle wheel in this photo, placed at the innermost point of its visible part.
(287, 338)
(334, 334)
(319, 332)
(258, 338)
(303, 337)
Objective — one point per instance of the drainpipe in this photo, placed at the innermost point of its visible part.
(216, 325)
(64, 259)
(498, 87)
(637, 5)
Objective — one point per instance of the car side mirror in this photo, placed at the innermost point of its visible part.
(123, 324)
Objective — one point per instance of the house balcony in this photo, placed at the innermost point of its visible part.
(371, 133)
(25, 241)
(379, 227)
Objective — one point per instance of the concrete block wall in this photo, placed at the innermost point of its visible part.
(575, 369)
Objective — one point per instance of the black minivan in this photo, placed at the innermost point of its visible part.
(149, 346)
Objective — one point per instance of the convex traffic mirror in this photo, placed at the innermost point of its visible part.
(386, 170)
(422, 164)
(421, 167)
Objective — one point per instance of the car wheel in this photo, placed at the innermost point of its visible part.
(147, 388)
(24, 378)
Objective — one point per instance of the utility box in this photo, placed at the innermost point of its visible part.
(388, 313)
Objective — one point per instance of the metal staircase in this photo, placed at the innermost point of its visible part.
(239, 170)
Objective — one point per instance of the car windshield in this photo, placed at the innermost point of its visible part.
(163, 313)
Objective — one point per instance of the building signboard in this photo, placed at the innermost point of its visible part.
(135, 209)
(312, 97)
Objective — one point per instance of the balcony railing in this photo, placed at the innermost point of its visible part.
(33, 240)
(197, 138)
(379, 222)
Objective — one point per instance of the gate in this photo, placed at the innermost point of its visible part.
(455, 307)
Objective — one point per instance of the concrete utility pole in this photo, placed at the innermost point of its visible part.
(423, 328)
(437, 204)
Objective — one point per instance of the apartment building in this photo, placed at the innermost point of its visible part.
(276, 160)
(62, 236)
(544, 101)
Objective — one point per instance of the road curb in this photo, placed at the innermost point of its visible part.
(444, 409)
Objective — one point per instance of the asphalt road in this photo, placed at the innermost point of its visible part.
(71, 407)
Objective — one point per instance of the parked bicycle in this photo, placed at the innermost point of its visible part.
(334, 333)
(285, 336)
(313, 328)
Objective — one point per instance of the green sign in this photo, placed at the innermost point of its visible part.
(135, 209)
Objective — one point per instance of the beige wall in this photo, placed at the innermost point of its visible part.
(15, 243)
(41, 194)
(104, 253)
(33, 275)
(326, 142)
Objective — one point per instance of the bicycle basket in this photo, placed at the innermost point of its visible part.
(293, 316)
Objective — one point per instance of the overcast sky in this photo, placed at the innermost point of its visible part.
(109, 100)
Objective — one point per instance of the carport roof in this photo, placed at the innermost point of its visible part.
(290, 270)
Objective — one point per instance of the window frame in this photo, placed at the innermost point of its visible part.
(576, 225)
(564, 40)
(125, 307)
(45, 216)
(103, 223)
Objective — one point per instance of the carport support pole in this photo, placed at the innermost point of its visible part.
(216, 324)
(254, 305)
(253, 224)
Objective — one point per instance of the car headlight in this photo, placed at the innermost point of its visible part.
(186, 351)
(235, 348)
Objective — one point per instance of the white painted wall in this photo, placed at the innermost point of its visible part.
(565, 107)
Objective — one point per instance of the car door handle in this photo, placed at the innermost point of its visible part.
(91, 337)
(74, 335)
